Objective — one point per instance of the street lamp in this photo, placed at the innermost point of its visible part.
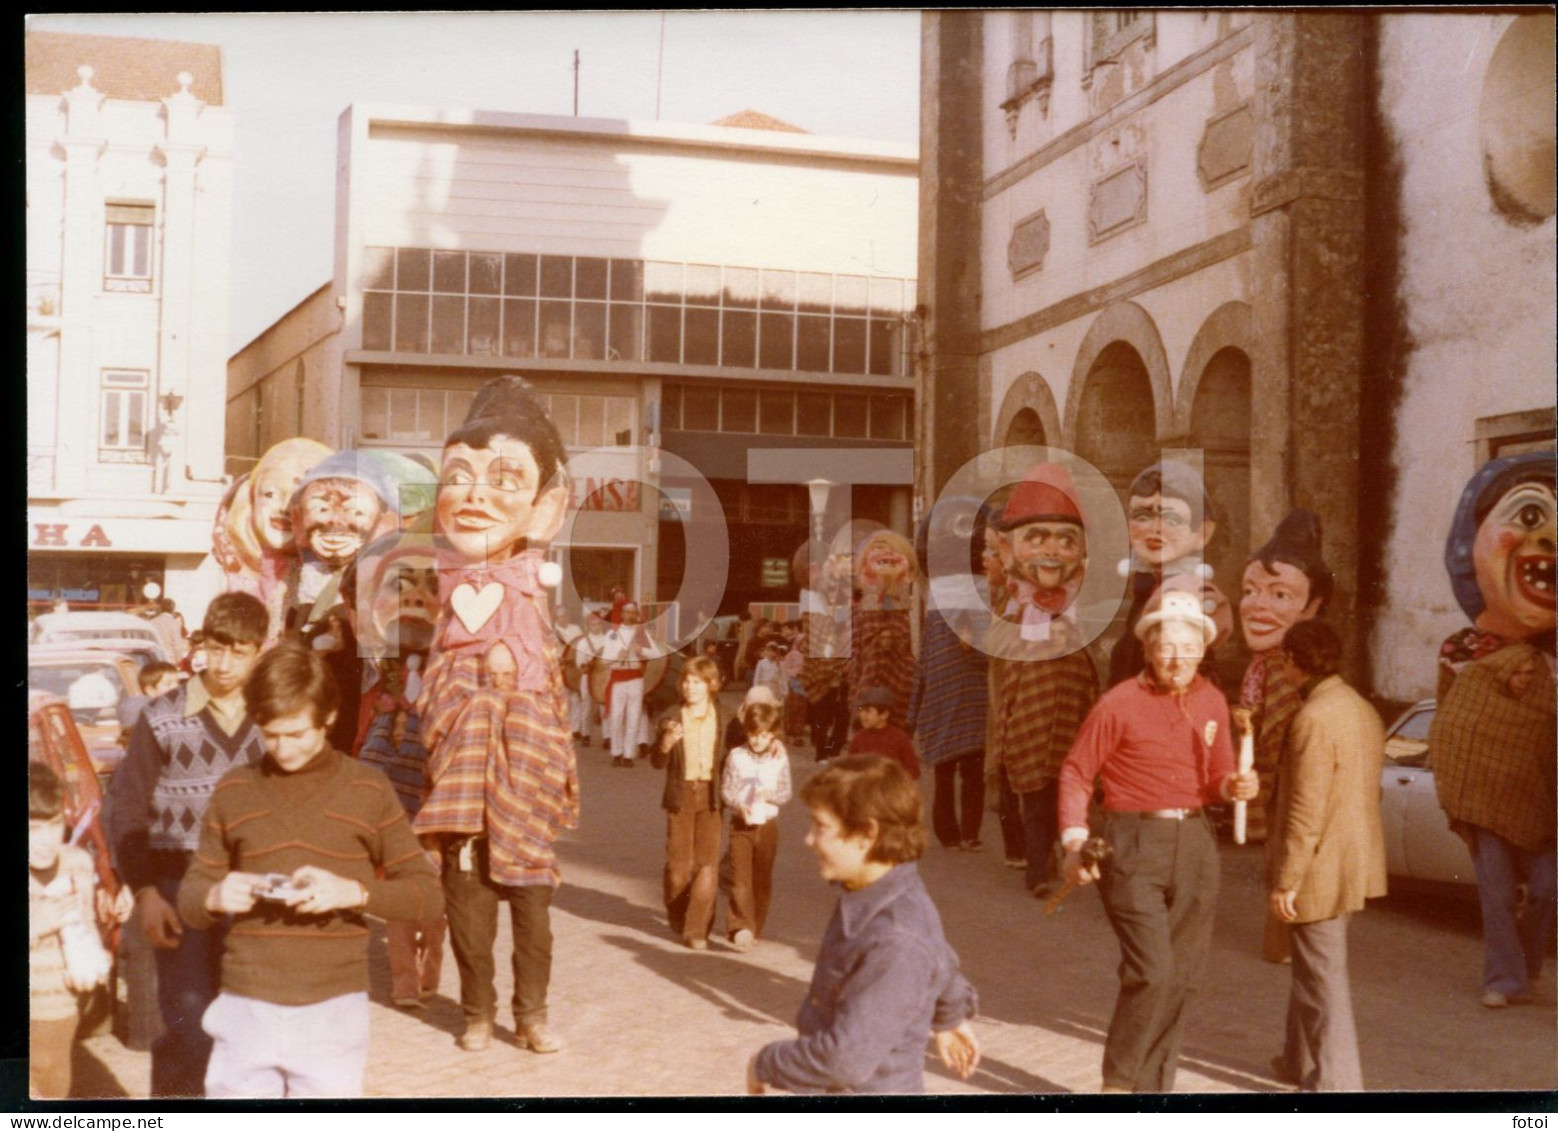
(170, 401)
(818, 489)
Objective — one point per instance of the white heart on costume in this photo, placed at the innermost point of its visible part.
(475, 606)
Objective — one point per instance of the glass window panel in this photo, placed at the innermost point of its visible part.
(741, 287)
(776, 349)
(665, 333)
(403, 413)
(456, 405)
(619, 420)
(556, 276)
(670, 408)
(816, 293)
(739, 345)
(778, 290)
(413, 268)
(627, 279)
(884, 335)
(589, 330)
(482, 326)
(449, 272)
(135, 418)
(887, 296)
(117, 234)
(519, 275)
(700, 408)
(887, 418)
(849, 415)
(592, 422)
(738, 410)
(141, 268)
(486, 273)
(448, 323)
(375, 414)
(625, 331)
(554, 329)
(565, 414)
(663, 282)
(589, 280)
(702, 345)
(811, 343)
(849, 345)
(519, 327)
(778, 412)
(111, 412)
(377, 314)
(814, 414)
(702, 285)
(378, 268)
(411, 323)
(849, 294)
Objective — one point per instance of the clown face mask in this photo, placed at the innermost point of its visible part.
(1047, 554)
(336, 518)
(490, 502)
(1273, 601)
(270, 512)
(1162, 531)
(1513, 556)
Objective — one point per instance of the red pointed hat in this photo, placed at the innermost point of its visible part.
(1046, 494)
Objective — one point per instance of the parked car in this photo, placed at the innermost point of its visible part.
(88, 627)
(1418, 842)
(52, 738)
(91, 683)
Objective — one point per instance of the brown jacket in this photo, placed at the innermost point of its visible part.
(1330, 846)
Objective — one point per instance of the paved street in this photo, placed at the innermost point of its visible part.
(643, 1015)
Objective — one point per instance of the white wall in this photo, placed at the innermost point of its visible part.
(1478, 294)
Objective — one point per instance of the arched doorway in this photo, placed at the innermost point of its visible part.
(1116, 420)
(1220, 428)
(1025, 428)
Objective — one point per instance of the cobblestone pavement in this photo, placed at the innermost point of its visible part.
(642, 1015)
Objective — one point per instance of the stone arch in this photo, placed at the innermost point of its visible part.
(1231, 324)
(1122, 323)
(1028, 414)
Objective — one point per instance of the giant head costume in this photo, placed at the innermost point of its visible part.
(345, 501)
(1500, 550)
(1171, 518)
(254, 527)
(1043, 532)
(1285, 581)
(884, 570)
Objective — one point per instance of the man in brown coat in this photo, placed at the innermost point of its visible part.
(1329, 856)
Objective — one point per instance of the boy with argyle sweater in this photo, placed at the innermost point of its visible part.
(183, 744)
(297, 848)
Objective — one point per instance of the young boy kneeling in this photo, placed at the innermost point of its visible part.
(885, 976)
(289, 850)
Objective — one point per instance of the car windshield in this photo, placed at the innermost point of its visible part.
(57, 679)
(1415, 726)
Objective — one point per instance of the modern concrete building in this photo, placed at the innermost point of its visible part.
(129, 187)
(680, 293)
(1316, 248)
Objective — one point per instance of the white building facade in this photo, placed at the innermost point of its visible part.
(693, 292)
(129, 187)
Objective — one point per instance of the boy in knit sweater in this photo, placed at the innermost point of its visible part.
(183, 744)
(289, 849)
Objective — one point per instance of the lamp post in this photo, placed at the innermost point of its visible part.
(818, 489)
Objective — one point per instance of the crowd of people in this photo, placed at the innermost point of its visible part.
(385, 722)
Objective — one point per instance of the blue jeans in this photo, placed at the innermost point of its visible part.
(1513, 950)
(188, 977)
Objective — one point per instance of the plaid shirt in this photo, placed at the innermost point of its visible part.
(1043, 693)
(1492, 754)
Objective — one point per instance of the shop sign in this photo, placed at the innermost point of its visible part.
(776, 573)
(675, 504)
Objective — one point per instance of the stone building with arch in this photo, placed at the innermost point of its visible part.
(1283, 241)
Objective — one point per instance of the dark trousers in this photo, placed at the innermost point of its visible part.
(692, 837)
(1160, 893)
(752, 852)
(1040, 832)
(956, 818)
(188, 978)
(1010, 815)
(471, 905)
(829, 721)
(1322, 1039)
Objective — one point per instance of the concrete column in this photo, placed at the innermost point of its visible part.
(81, 278)
(1307, 229)
(175, 332)
(951, 187)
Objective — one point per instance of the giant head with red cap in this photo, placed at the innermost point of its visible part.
(1043, 526)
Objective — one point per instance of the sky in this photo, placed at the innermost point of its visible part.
(288, 77)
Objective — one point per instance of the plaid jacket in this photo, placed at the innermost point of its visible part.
(1042, 694)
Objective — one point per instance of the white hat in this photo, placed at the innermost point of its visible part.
(1180, 605)
(761, 693)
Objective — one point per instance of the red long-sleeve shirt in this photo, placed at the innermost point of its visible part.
(1153, 750)
(890, 742)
